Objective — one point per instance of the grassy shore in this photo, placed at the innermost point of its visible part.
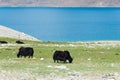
(92, 61)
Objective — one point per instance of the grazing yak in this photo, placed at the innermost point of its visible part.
(25, 51)
(19, 42)
(3, 42)
(62, 56)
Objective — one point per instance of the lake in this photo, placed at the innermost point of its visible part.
(64, 24)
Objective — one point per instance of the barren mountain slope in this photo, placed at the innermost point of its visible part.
(8, 32)
(60, 3)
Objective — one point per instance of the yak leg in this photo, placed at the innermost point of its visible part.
(54, 60)
(32, 56)
(64, 60)
(20, 56)
(57, 61)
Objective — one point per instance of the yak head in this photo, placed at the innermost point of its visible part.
(18, 55)
(70, 60)
(20, 52)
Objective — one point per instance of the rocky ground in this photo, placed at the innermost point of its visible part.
(14, 75)
(68, 75)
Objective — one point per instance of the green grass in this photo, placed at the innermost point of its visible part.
(98, 59)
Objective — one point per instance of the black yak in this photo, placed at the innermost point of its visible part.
(62, 56)
(3, 42)
(25, 51)
(19, 42)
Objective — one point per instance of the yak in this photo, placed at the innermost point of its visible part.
(62, 56)
(3, 42)
(25, 51)
(19, 42)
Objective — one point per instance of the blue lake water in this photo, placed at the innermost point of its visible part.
(64, 24)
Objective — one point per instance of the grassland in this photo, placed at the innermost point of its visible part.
(92, 61)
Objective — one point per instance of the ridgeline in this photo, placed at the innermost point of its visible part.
(60, 3)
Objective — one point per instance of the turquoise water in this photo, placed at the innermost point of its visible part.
(64, 24)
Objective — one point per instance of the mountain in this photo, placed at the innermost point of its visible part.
(10, 33)
(60, 3)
